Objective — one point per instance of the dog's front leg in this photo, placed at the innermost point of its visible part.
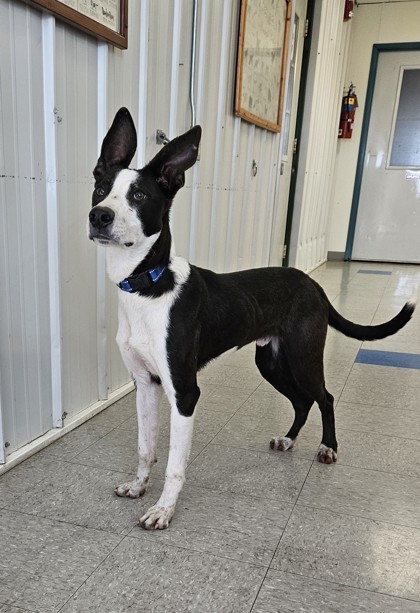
(160, 515)
(147, 403)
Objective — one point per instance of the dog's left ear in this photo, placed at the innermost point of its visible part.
(169, 165)
(119, 145)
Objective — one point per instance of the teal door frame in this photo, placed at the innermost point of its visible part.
(376, 50)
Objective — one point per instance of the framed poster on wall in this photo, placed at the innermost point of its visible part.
(105, 19)
(261, 68)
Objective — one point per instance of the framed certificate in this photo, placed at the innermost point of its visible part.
(261, 68)
(105, 19)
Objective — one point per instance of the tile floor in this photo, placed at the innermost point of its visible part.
(255, 530)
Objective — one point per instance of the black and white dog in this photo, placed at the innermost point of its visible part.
(175, 317)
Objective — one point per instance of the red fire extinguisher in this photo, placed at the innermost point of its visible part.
(348, 10)
(349, 105)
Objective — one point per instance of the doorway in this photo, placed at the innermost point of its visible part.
(385, 217)
(289, 142)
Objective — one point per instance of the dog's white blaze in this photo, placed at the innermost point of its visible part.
(126, 228)
(126, 224)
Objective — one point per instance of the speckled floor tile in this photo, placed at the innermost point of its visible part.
(267, 401)
(43, 562)
(407, 339)
(222, 398)
(378, 452)
(76, 441)
(24, 478)
(383, 386)
(146, 576)
(236, 377)
(239, 357)
(253, 473)
(118, 451)
(117, 413)
(335, 380)
(352, 551)
(5, 608)
(231, 525)
(289, 593)
(206, 424)
(365, 493)
(389, 421)
(80, 495)
(115, 451)
(251, 432)
(341, 349)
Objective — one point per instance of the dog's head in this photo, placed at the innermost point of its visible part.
(129, 206)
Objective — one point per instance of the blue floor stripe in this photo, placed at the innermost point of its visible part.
(388, 358)
(368, 271)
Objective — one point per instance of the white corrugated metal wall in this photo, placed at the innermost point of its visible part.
(322, 108)
(25, 356)
(59, 90)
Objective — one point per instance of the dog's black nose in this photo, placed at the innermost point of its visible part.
(101, 216)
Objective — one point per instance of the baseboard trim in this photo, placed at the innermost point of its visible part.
(335, 255)
(54, 434)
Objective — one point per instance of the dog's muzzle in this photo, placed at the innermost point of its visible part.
(100, 223)
(100, 217)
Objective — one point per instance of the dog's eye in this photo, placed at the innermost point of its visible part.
(139, 195)
(100, 192)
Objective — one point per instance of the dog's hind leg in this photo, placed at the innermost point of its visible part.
(273, 366)
(148, 393)
(302, 385)
(327, 453)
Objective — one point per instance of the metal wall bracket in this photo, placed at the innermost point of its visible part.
(161, 138)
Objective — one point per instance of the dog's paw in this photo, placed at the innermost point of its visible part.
(326, 455)
(132, 489)
(157, 518)
(281, 443)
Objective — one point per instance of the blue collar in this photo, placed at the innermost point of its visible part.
(143, 280)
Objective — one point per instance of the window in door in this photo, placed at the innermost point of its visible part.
(405, 137)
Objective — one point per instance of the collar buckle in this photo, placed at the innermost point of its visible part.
(143, 280)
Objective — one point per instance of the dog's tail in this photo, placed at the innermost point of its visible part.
(371, 333)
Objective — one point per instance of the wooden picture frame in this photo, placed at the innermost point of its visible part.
(261, 67)
(105, 19)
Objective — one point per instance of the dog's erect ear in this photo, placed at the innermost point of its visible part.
(169, 165)
(119, 145)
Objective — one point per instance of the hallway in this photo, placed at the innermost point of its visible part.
(255, 530)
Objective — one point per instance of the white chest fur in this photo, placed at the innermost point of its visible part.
(143, 326)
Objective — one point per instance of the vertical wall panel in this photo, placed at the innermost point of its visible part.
(51, 203)
(24, 305)
(315, 178)
(76, 125)
(101, 276)
(223, 210)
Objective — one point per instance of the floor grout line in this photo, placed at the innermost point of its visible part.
(282, 535)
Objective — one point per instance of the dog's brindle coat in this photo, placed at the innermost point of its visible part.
(177, 317)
